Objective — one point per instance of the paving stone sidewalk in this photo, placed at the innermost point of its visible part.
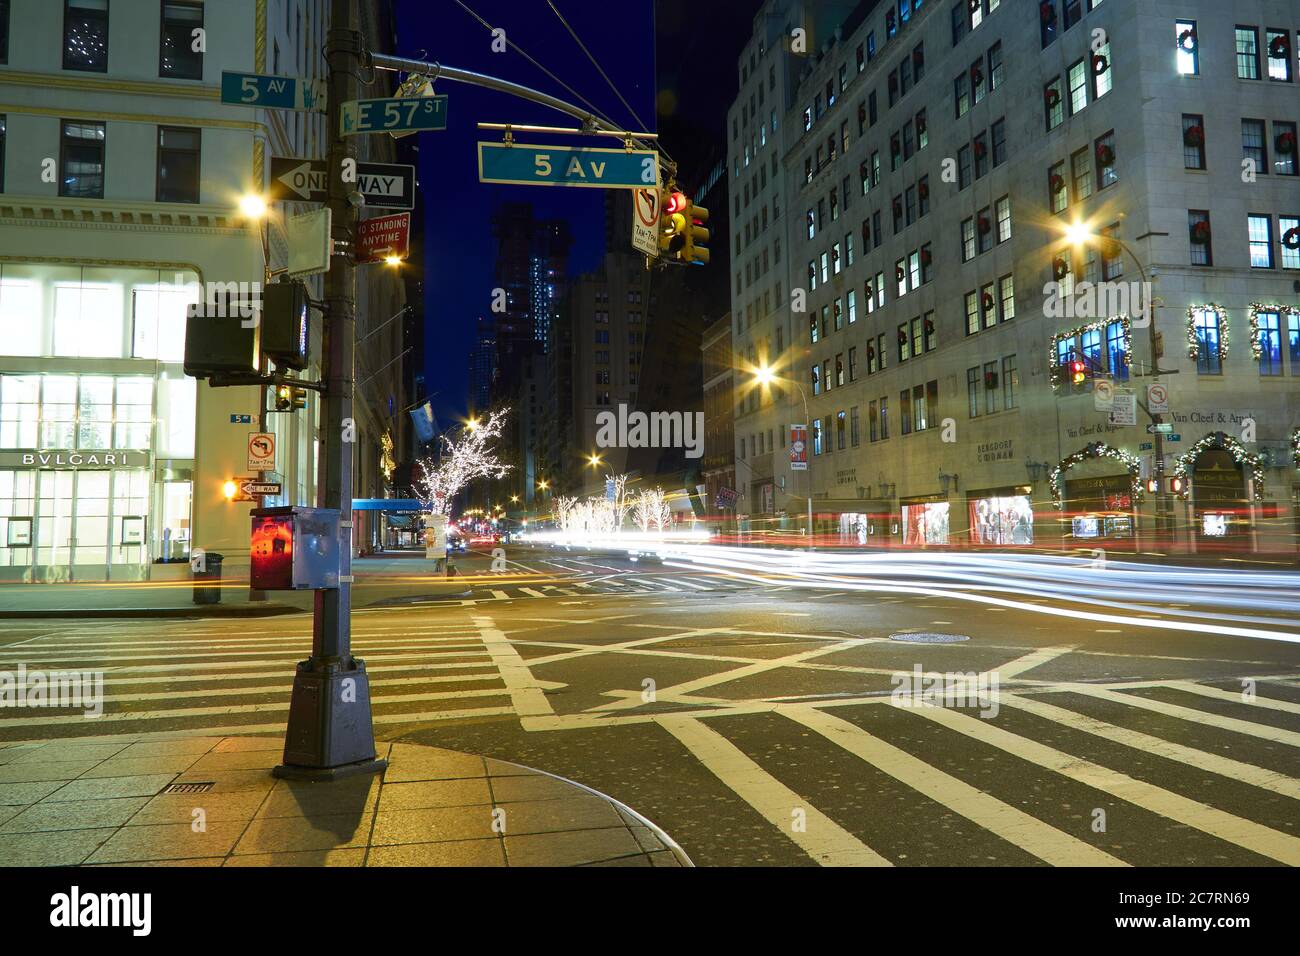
(97, 801)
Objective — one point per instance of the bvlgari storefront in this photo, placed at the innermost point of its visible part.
(97, 422)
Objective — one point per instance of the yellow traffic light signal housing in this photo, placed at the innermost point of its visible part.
(673, 223)
(290, 398)
(696, 252)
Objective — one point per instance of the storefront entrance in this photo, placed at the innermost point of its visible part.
(1099, 509)
(1222, 512)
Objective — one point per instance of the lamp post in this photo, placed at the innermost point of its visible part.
(764, 375)
(1079, 235)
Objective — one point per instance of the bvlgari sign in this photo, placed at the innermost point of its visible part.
(63, 458)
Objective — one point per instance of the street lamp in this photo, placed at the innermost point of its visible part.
(252, 206)
(1079, 235)
(765, 375)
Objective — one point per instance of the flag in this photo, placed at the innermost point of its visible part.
(424, 422)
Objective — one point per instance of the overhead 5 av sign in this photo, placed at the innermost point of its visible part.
(567, 166)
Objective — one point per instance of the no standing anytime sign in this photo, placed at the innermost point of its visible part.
(384, 236)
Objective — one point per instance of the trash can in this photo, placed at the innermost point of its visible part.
(208, 570)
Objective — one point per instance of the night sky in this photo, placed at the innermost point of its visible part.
(697, 46)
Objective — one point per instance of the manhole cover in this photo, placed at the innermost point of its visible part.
(188, 787)
(922, 637)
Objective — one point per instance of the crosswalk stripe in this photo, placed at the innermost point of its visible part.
(1276, 734)
(526, 695)
(1244, 833)
(266, 656)
(234, 709)
(692, 584)
(532, 592)
(1201, 759)
(821, 838)
(1011, 824)
(1234, 696)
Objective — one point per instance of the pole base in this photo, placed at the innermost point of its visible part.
(327, 774)
(330, 730)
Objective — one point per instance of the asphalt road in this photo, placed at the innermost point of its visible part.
(761, 723)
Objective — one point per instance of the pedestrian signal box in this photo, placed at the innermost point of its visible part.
(294, 549)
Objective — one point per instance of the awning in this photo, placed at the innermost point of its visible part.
(388, 504)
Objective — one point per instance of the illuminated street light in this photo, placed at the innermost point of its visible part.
(252, 206)
(393, 261)
(594, 460)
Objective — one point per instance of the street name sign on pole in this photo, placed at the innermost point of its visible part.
(306, 180)
(645, 221)
(387, 115)
(254, 488)
(385, 236)
(521, 164)
(273, 92)
(1163, 428)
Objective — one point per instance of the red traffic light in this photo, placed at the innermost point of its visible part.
(1078, 372)
(676, 203)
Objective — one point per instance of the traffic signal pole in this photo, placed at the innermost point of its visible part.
(331, 732)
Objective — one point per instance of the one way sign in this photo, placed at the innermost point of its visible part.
(303, 180)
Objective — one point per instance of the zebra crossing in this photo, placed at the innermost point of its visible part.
(235, 677)
(1181, 770)
(619, 585)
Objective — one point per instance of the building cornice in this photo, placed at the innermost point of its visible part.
(84, 83)
(153, 119)
(106, 214)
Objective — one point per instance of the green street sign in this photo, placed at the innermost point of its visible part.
(409, 114)
(567, 166)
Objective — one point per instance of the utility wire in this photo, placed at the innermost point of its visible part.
(583, 47)
(514, 46)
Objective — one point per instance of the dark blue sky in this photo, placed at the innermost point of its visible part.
(459, 246)
(674, 61)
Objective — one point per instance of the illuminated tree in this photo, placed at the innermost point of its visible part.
(465, 459)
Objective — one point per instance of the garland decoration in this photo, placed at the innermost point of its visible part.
(1256, 308)
(1184, 463)
(1193, 343)
(1096, 449)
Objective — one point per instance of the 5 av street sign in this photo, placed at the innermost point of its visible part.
(273, 92)
(389, 115)
(304, 180)
(567, 166)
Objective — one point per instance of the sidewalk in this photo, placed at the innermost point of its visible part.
(380, 579)
(106, 801)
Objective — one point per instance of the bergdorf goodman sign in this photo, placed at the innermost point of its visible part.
(74, 459)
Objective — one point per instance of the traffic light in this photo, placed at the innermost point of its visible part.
(696, 252)
(290, 398)
(1174, 485)
(673, 223)
(1078, 371)
(222, 335)
(286, 334)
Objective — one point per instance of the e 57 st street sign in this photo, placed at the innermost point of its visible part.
(273, 92)
(389, 115)
(305, 180)
(518, 163)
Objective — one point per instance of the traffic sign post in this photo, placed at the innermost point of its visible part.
(382, 237)
(261, 451)
(306, 180)
(273, 92)
(389, 115)
(520, 164)
(645, 221)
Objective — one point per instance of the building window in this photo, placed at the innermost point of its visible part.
(1288, 227)
(991, 390)
(1081, 170)
(1187, 50)
(3, 125)
(973, 392)
(972, 313)
(1253, 146)
(1004, 218)
(1010, 382)
(85, 35)
(1270, 343)
(1260, 232)
(177, 56)
(178, 164)
(1047, 21)
(1198, 226)
(1078, 87)
(1209, 354)
(1193, 141)
(81, 160)
(1104, 148)
(998, 134)
(1247, 53)
(1102, 78)
(1284, 154)
(1054, 103)
(4, 31)
(1007, 297)
(1279, 55)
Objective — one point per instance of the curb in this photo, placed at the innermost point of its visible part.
(235, 610)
